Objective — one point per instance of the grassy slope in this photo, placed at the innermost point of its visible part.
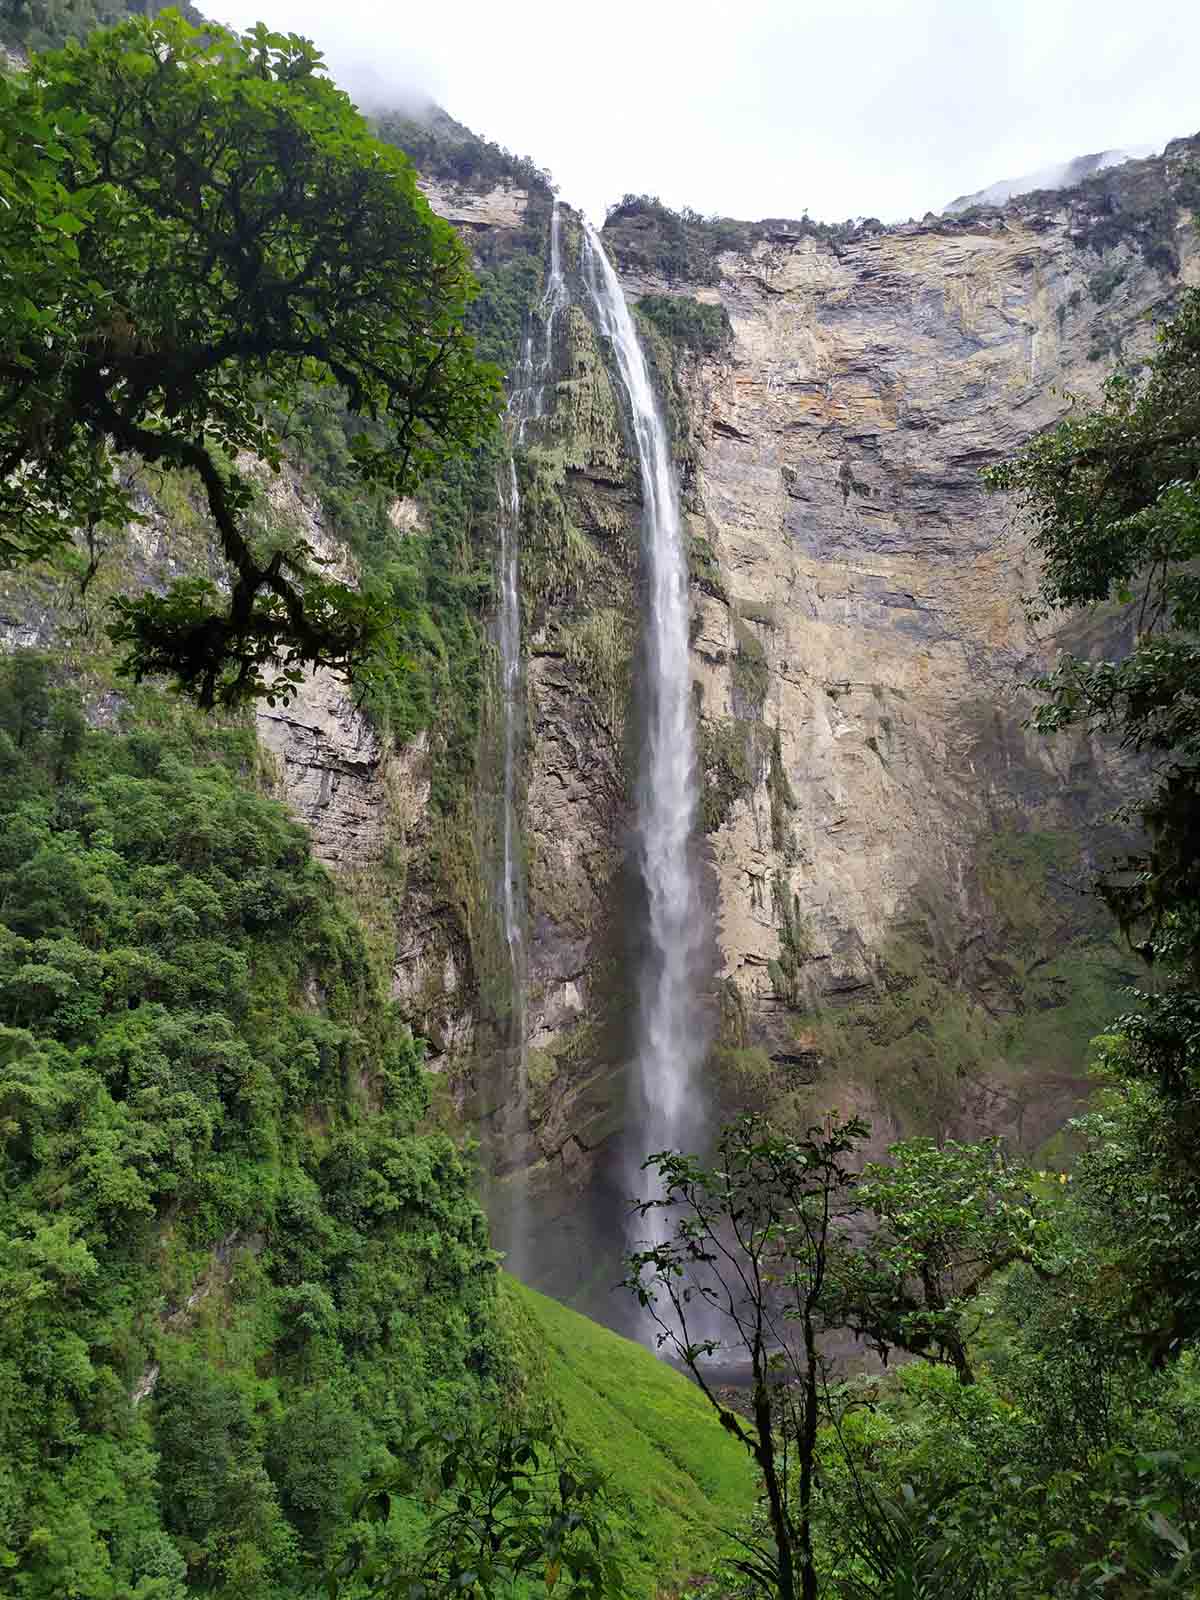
(648, 1428)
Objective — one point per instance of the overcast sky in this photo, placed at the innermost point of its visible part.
(755, 108)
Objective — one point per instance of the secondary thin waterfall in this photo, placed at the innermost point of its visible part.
(668, 1041)
(526, 404)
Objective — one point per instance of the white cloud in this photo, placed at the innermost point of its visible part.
(771, 107)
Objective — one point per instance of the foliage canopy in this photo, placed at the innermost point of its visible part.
(513, 1503)
(235, 1272)
(198, 229)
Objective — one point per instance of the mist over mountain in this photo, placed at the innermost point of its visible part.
(1062, 175)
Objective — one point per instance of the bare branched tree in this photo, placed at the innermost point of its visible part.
(743, 1270)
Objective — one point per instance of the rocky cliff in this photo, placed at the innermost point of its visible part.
(878, 588)
(895, 866)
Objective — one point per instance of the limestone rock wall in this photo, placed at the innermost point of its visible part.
(498, 208)
(864, 561)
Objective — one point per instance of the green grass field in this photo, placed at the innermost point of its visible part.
(679, 1476)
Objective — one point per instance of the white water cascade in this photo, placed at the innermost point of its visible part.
(668, 1040)
(526, 404)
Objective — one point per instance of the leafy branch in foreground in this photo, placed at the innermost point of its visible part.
(1113, 496)
(508, 1503)
(943, 1220)
(197, 229)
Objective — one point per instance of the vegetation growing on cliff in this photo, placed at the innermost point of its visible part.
(425, 561)
(646, 236)
(217, 1198)
(1002, 1025)
(690, 323)
(440, 147)
(49, 24)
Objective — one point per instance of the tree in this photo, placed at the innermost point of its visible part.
(749, 1253)
(197, 230)
(1113, 495)
(942, 1221)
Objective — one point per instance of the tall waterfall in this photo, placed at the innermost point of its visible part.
(526, 404)
(668, 1041)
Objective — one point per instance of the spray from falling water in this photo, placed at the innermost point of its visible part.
(526, 404)
(668, 1043)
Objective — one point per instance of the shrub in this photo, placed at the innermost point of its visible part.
(689, 322)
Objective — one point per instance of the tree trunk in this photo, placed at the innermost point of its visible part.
(958, 1354)
(808, 1455)
(775, 1493)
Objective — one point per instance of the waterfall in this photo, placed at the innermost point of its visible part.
(668, 1041)
(554, 298)
(508, 642)
(526, 404)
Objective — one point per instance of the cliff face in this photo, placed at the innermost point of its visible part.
(865, 565)
(895, 866)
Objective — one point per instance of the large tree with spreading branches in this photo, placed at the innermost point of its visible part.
(196, 230)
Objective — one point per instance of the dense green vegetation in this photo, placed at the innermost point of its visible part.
(510, 1505)
(695, 325)
(239, 1277)
(1040, 1447)
(643, 233)
(49, 24)
(251, 1336)
(683, 246)
(440, 147)
(214, 1176)
(199, 229)
(431, 577)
